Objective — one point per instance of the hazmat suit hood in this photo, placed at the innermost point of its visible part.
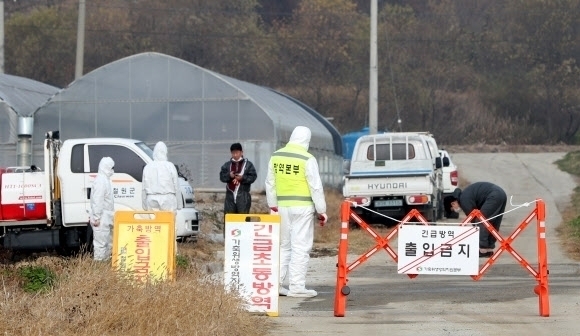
(160, 152)
(106, 166)
(301, 136)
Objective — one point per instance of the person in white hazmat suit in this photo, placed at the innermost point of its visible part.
(160, 182)
(102, 210)
(294, 190)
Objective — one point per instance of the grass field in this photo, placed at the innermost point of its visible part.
(51, 295)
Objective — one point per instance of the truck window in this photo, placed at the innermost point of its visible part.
(77, 159)
(126, 161)
(145, 148)
(383, 152)
(432, 150)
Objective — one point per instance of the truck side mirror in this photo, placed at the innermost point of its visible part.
(346, 166)
(438, 163)
(445, 161)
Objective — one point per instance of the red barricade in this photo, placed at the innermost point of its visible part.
(382, 243)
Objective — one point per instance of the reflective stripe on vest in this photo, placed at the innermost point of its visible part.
(290, 173)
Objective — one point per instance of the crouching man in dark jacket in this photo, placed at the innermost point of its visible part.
(488, 198)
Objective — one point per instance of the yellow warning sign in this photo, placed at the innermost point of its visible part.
(144, 245)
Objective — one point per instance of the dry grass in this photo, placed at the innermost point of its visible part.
(326, 239)
(199, 252)
(569, 231)
(90, 299)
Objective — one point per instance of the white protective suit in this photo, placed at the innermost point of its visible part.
(297, 223)
(160, 182)
(102, 210)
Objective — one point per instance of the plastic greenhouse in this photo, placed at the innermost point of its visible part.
(196, 112)
(19, 98)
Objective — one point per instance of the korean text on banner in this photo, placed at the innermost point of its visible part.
(144, 245)
(451, 250)
(252, 260)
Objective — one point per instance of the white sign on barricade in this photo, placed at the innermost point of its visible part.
(252, 260)
(451, 250)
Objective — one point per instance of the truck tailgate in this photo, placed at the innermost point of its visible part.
(386, 185)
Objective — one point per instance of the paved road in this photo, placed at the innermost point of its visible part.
(501, 303)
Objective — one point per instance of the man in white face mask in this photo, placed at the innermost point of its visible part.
(102, 210)
(238, 173)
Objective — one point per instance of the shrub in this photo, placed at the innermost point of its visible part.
(37, 279)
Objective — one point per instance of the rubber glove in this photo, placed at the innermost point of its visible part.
(322, 219)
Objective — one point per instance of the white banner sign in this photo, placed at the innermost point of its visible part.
(252, 259)
(452, 250)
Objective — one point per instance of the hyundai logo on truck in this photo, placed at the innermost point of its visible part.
(399, 185)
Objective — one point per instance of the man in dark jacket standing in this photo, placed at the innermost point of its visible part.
(488, 198)
(238, 173)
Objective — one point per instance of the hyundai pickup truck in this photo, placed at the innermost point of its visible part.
(392, 173)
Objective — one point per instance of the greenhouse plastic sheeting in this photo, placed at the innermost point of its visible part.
(196, 112)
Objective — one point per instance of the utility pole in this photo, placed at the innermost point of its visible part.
(2, 37)
(373, 82)
(80, 40)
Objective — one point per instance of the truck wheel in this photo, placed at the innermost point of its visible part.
(431, 215)
(87, 247)
(65, 251)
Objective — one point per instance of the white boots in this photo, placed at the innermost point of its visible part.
(303, 293)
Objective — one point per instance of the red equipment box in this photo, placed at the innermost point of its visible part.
(22, 194)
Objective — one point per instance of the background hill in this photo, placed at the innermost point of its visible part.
(485, 71)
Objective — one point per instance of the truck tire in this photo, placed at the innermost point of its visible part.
(88, 245)
(431, 215)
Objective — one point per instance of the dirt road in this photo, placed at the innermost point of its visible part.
(501, 303)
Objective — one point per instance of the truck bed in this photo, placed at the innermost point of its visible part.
(389, 177)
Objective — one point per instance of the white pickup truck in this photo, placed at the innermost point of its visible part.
(392, 173)
(48, 209)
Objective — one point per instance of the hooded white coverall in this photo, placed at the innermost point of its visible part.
(102, 210)
(160, 182)
(297, 221)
